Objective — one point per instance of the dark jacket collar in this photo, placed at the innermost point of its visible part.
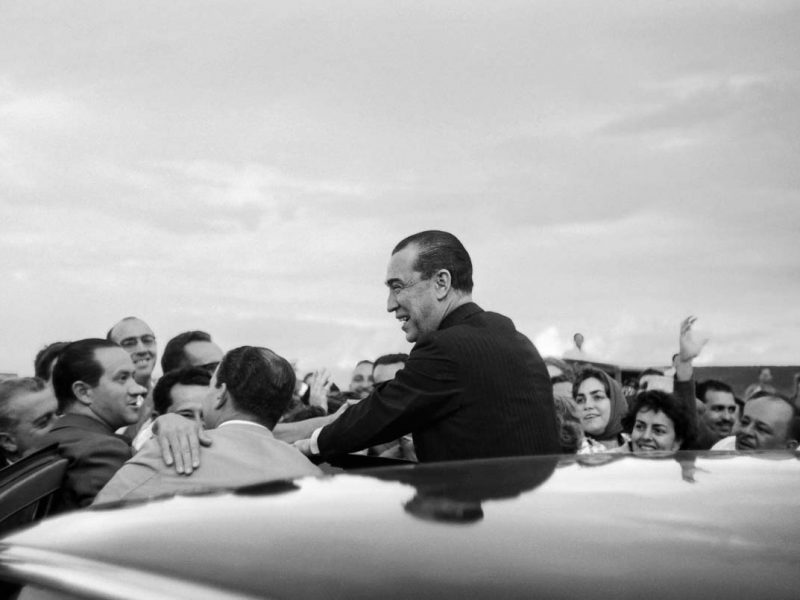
(460, 314)
(83, 422)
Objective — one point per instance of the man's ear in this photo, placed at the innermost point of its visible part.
(791, 444)
(222, 396)
(8, 442)
(442, 283)
(83, 392)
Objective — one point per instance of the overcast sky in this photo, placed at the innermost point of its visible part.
(246, 168)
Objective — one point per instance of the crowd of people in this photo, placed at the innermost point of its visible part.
(471, 387)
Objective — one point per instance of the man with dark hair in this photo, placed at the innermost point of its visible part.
(191, 349)
(97, 393)
(248, 394)
(387, 366)
(27, 413)
(46, 358)
(182, 391)
(721, 414)
(473, 386)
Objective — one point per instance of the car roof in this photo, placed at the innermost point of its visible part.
(680, 526)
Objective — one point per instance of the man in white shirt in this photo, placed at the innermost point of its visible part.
(247, 396)
(577, 352)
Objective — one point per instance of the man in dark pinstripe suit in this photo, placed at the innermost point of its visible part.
(473, 386)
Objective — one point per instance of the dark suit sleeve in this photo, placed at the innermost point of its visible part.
(91, 470)
(703, 438)
(425, 390)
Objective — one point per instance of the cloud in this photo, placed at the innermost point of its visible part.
(704, 102)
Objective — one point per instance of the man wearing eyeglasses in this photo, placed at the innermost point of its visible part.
(138, 340)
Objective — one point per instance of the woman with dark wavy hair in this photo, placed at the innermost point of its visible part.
(658, 421)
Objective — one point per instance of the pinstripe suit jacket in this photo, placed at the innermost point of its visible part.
(475, 388)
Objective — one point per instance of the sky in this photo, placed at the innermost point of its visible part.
(246, 168)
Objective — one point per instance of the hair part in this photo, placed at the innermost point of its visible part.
(440, 250)
(260, 381)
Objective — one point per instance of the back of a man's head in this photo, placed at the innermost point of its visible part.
(260, 382)
(441, 250)
(77, 362)
(173, 356)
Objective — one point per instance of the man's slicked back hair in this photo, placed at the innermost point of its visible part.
(712, 385)
(260, 381)
(44, 358)
(10, 388)
(77, 362)
(162, 392)
(173, 356)
(441, 250)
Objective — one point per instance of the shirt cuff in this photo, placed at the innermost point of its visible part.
(313, 445)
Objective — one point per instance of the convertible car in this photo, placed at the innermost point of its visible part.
(687, 525)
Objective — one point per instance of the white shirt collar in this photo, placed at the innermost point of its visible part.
(242, 422)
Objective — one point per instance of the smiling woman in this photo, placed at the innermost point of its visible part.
(659, 421)
(602, 406)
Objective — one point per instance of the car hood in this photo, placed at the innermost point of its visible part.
(688, 525)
